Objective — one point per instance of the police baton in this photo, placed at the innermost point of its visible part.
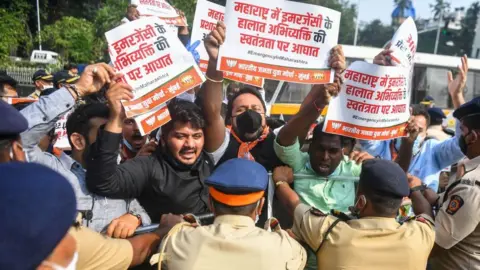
(202, 219)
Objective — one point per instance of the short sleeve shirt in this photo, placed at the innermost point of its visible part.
(457, 222)
(368, 243)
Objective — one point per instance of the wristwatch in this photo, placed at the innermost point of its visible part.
(137, 216)
(417, 188)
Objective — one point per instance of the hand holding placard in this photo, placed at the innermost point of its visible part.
(214, 40)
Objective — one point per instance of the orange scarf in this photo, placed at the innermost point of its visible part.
(245, 147)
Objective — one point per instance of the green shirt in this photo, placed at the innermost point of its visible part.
(337, 191)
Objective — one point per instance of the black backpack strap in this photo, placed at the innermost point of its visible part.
(325, 236)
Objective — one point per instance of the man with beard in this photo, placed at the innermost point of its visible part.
(458, 220)
(171, 180)
(117, 218)
(247, 135)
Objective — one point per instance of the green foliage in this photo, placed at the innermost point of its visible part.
(187, 6)
(74, 39)
(13, 33)
(375, 34)
(441, 6)
(466, 36)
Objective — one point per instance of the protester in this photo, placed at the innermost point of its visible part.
(132, 141)
(8, 87)
(12, 125)
(232, 89)
(43, 81)
(435, 129)
(233, 241)
(374, 240)
(46, 231)
(457, 222)
(424, 159)
(63, 78)
(248, 136)
(171, 180)
(117, 218)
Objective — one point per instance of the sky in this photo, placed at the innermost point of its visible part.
(382, 9)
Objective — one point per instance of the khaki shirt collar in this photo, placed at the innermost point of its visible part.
(235, 220)
(472, 164)
(369, 223)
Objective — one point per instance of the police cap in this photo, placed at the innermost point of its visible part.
(5, 79)
(13, 123)
(470, 108)
(41, 74)
(38, 209)
(64, 77)
(436, 113)
(384, 177)
(238, 182)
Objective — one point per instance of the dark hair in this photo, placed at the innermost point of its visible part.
(224, 209)
(232, 86)
(274, 123)
(79, 120)
(69, 66)
(185, 112)
(436, 121)
(418, 110)
(383, 204)
(245, 90)
(318, 132)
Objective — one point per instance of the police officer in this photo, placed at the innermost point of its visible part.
(62, 78)
(13, 123)
(233, 241)
(374, 240)
(43, 81)
(457, 222)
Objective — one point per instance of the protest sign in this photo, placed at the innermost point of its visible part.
(160, 9)
(153, 61)
(279, 40)
(404, 44)
(373, 103)
(150, 121)
(61, 137)
(207, 14)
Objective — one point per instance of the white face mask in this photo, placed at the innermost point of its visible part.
(71, 266)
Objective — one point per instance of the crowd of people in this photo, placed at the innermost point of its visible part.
(80, 208)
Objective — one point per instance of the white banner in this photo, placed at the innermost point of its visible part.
(61, 137)
(160, 9)
(279, 40)
(153, 61)
(373, 103)
(207, 15)
(404, 44)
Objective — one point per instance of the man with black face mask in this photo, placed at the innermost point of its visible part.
(457, 243)
(170, 180)
(244, 133)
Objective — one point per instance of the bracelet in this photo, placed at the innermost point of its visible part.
(213, 80)
(418, 188)
(73, 87)
(279, 183)
(318, 108)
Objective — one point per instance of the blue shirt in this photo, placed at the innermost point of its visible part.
(41, 117)
(434, 156)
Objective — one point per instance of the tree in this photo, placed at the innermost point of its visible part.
(187, 6)
(12, 36)
(74, 39)
(465, 39)
(375, 34)
(440, 7)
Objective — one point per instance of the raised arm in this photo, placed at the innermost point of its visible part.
(315, 103)
(283, 177)
(104, 176)
(405, 153)
(457, 85)
(213, 92)
(419, 203)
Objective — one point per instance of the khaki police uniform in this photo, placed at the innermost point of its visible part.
(366, 243)
(232, 242)
(457, 222)
(96, 251)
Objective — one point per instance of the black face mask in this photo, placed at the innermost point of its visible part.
(248, 122)
(463, 144)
